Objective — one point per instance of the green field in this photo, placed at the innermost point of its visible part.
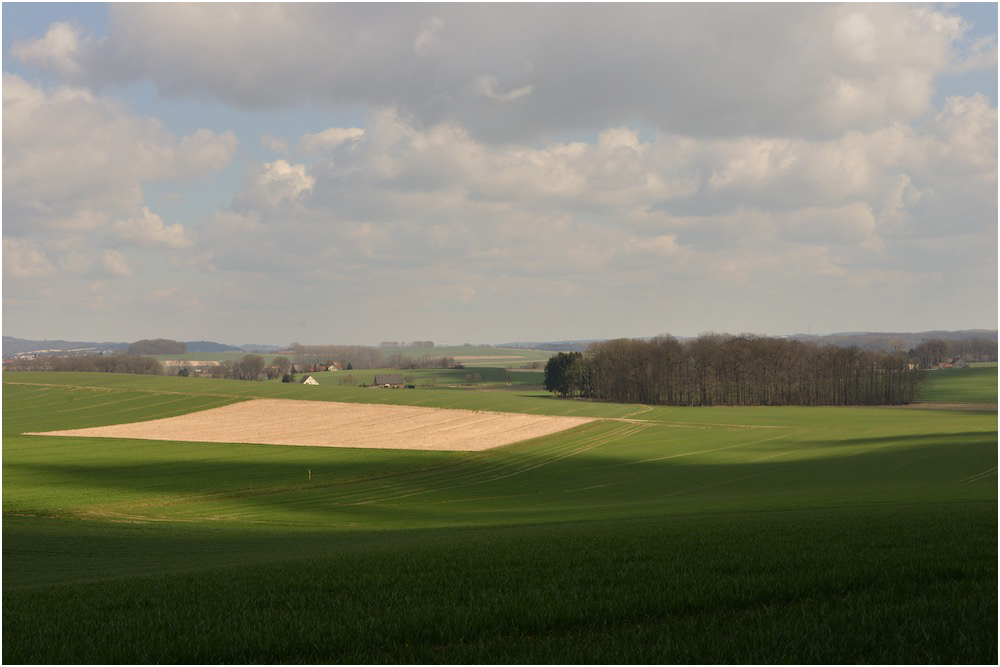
(654, 535)
(474, 355)
(976, 384)
(472, 377)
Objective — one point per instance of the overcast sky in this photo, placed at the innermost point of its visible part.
(339, 173)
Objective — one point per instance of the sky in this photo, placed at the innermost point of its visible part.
(488, 173)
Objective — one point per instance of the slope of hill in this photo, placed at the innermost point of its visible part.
(13, 346)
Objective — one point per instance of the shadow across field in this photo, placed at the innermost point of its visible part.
(890, 584)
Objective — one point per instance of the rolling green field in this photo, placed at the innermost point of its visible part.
(653, 535)
(976, 384)
(479, 376)
(475, 355)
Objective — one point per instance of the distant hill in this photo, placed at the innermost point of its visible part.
(890, 341)
(209, 346)
(13, 346)
(552, 346)
(256, 347)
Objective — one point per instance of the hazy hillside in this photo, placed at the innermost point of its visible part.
(13, 346)
(892, 341)
(873, 341)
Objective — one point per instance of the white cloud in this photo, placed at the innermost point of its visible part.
(968, 136)
(852, 223)
(149, 230)
(330, 138)
(25, 259)
(114, 263)
(76, 161)
(276, 183)
(429, 37)
(790, 151)
(816, 70)
(488, 85)
(59, 50)
(202, 152)
(275, 144)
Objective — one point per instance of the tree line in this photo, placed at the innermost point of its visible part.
(248, 367)
(931, 353)
(423, 361)
(721, 369)
(358, 356)
(90, 363)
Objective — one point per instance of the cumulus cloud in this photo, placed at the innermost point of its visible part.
(25, 259)
(680, 154)
(428, 38)
(761, 69)
(59, 50)
(202, 152)
(114, 263)
(330, 138)
(149, 230)
(275, 184)
(489, 86)
(967, 128)
(275, 144)
(76, 161)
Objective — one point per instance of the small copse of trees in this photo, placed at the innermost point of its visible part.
(720, 369)
(248, 367)
(564, 375)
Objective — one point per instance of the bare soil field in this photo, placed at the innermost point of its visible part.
(328, 424)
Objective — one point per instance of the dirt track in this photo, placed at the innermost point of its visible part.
(327, 424)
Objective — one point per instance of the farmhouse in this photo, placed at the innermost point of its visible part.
(391, 381)
(308, 379)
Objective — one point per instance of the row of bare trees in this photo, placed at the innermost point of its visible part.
(935, 351)
(721, 369)
(423, 361)
(90, 363)
(358, 356)
(250, 367)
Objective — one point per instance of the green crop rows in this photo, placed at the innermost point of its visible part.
(654, 535)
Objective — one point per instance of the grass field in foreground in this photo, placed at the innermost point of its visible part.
(676, 536)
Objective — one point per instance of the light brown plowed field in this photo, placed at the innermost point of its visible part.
(327, 424)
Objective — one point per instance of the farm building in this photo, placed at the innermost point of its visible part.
(308, 379)
(391, 381)
(322, 368)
